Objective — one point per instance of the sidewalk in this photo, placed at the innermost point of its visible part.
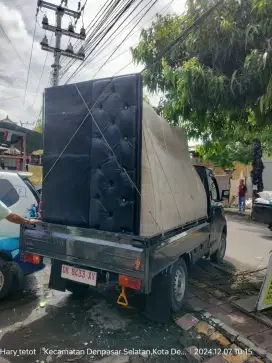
(235, 211)
(242, 338)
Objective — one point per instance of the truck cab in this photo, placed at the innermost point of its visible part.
(19, 195)
(215, 212)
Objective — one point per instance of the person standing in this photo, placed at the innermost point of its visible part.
(242, 196)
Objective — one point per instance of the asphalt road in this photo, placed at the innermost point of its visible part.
(248, 244)
(96, 322)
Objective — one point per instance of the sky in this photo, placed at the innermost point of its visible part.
(22, 100)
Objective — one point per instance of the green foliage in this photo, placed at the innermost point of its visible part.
(146, 99)
(226, 152)
(218, 81)
(39, 126)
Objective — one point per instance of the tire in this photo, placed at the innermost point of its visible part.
(17, 278)
(179, 284)
(77, 288)
(5, 278)
(219, 255)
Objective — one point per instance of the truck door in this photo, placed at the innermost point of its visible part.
(216, 214)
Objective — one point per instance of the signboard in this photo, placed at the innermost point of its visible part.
(265, 296)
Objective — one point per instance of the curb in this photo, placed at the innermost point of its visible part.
(236, 214)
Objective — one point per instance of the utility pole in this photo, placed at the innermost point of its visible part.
(57, 29)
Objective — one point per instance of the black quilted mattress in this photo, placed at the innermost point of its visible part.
(92, 164)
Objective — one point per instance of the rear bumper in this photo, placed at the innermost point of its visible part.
(88, 249)
(56, 282)
(27, 267)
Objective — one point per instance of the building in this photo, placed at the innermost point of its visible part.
(16, 145)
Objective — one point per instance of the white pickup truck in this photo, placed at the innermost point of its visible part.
(20, 196)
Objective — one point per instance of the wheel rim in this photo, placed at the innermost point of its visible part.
(222, 248)
(2, 280)
(179, 285)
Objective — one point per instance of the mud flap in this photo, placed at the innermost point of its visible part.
(56, 282)
(158, 306)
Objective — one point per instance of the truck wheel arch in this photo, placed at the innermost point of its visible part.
(4, 256)
(187, 259)
(6, 274)
(218, 255)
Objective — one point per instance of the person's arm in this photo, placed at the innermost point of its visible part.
(6, 213)
(15, 218)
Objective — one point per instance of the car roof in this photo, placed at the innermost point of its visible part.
(22, 174)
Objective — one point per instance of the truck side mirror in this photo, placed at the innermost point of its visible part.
(225, 194)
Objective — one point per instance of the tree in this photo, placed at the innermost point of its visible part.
(218, 81)
(225, 155)
(39, 126)
(226, 152)
(146, 99)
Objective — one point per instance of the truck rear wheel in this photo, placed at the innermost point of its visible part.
(179, 283)
(219, 255)
(5, 278)
(17, 278)
(77, 288)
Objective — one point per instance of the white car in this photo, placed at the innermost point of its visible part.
(21, 197)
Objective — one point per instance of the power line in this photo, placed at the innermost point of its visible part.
(83, 65)
(108, 7)
(69, 64)
(164, 8)
(13, 46)
(35, 97)
(103, 36)
(30, 59)
(154, 2)
(104, 45)
(104, 27)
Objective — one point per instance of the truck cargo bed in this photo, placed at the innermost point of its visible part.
(131, 255)
(85, 246)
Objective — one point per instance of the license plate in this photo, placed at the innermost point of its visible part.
(79, 275)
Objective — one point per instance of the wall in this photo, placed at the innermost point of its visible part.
(242, 171)
(223, 182)
(36, 178)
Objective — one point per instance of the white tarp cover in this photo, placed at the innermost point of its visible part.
(266, 195)
(171, 191)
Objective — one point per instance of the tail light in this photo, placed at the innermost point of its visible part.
(131, 282)
(30, 257)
